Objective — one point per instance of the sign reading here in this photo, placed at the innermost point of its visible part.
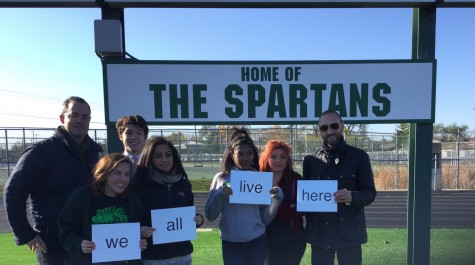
(173, 225)
(251, 187)
(115, 242)
(316, 195)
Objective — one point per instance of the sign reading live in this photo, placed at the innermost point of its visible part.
(195, 92)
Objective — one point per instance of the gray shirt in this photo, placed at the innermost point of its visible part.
(239, 222)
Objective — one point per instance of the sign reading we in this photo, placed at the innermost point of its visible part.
(116, 242)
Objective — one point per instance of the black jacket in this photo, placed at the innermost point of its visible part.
(158, 196)
(75, 223)
(352, 168)
(48, 172)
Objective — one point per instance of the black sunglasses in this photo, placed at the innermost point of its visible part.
(334, 126)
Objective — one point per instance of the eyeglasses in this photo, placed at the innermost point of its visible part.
(75, 116)
(334, 126)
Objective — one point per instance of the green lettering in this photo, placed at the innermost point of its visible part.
(337, 99)
(229, 93)
(199, 100)
(385, 107)
(157, 90)
(318, 88)
(359, 100)
(176, 101)
(276, 102)
(297, 97)
(255, 98)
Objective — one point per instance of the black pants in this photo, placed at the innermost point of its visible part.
(346, 256)
(286, 253)
(55, 254)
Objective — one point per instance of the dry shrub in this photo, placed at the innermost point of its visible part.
(384, 177)
(466, 176)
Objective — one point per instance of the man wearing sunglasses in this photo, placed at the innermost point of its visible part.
(342, 232)
(47, 172)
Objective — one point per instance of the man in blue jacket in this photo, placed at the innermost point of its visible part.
(48, 172)
(343, 232)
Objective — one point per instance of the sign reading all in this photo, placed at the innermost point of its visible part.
(270, 92)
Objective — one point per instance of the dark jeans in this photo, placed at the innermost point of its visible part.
(245, 253)
(55, 254)
(345, 256)
(286, 253)
(117, 263)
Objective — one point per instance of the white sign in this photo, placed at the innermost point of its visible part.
(251, 187)
(192, 92)
(115, 242)
(316, 195)
(173, 225)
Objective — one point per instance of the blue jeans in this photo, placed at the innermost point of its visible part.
(245, 253)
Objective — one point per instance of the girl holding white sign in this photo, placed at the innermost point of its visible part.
(285, 234)
(162, 183)
(242, 226)
(107, 200)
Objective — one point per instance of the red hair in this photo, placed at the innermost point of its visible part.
(265, 156)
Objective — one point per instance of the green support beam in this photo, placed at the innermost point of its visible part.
(420, 154)
(113, 143)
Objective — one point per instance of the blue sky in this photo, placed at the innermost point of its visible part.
(47, 55)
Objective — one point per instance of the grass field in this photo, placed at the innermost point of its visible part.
(386, 246)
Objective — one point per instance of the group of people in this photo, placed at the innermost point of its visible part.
(70, 188)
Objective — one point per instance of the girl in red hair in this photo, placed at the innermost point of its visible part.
(285, 237)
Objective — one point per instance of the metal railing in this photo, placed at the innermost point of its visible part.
(205, 146)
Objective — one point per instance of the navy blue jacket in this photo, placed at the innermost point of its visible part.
(47, 172)
(352, 168)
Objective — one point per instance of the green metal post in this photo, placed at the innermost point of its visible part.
(410, 194)
(113, 143)
(419, 195)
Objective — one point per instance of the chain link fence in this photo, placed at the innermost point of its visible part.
(201, 150)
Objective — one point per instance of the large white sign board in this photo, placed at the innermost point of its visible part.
(173, 225)
(251, 187)
(316, 195)
(116, 242)
(270, 92)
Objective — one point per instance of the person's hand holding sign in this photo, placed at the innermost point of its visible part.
(146, 231)
(87, 246)
(143, 244)
(343, 196)
(227, 189)
(199, 219)
(274, 191)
